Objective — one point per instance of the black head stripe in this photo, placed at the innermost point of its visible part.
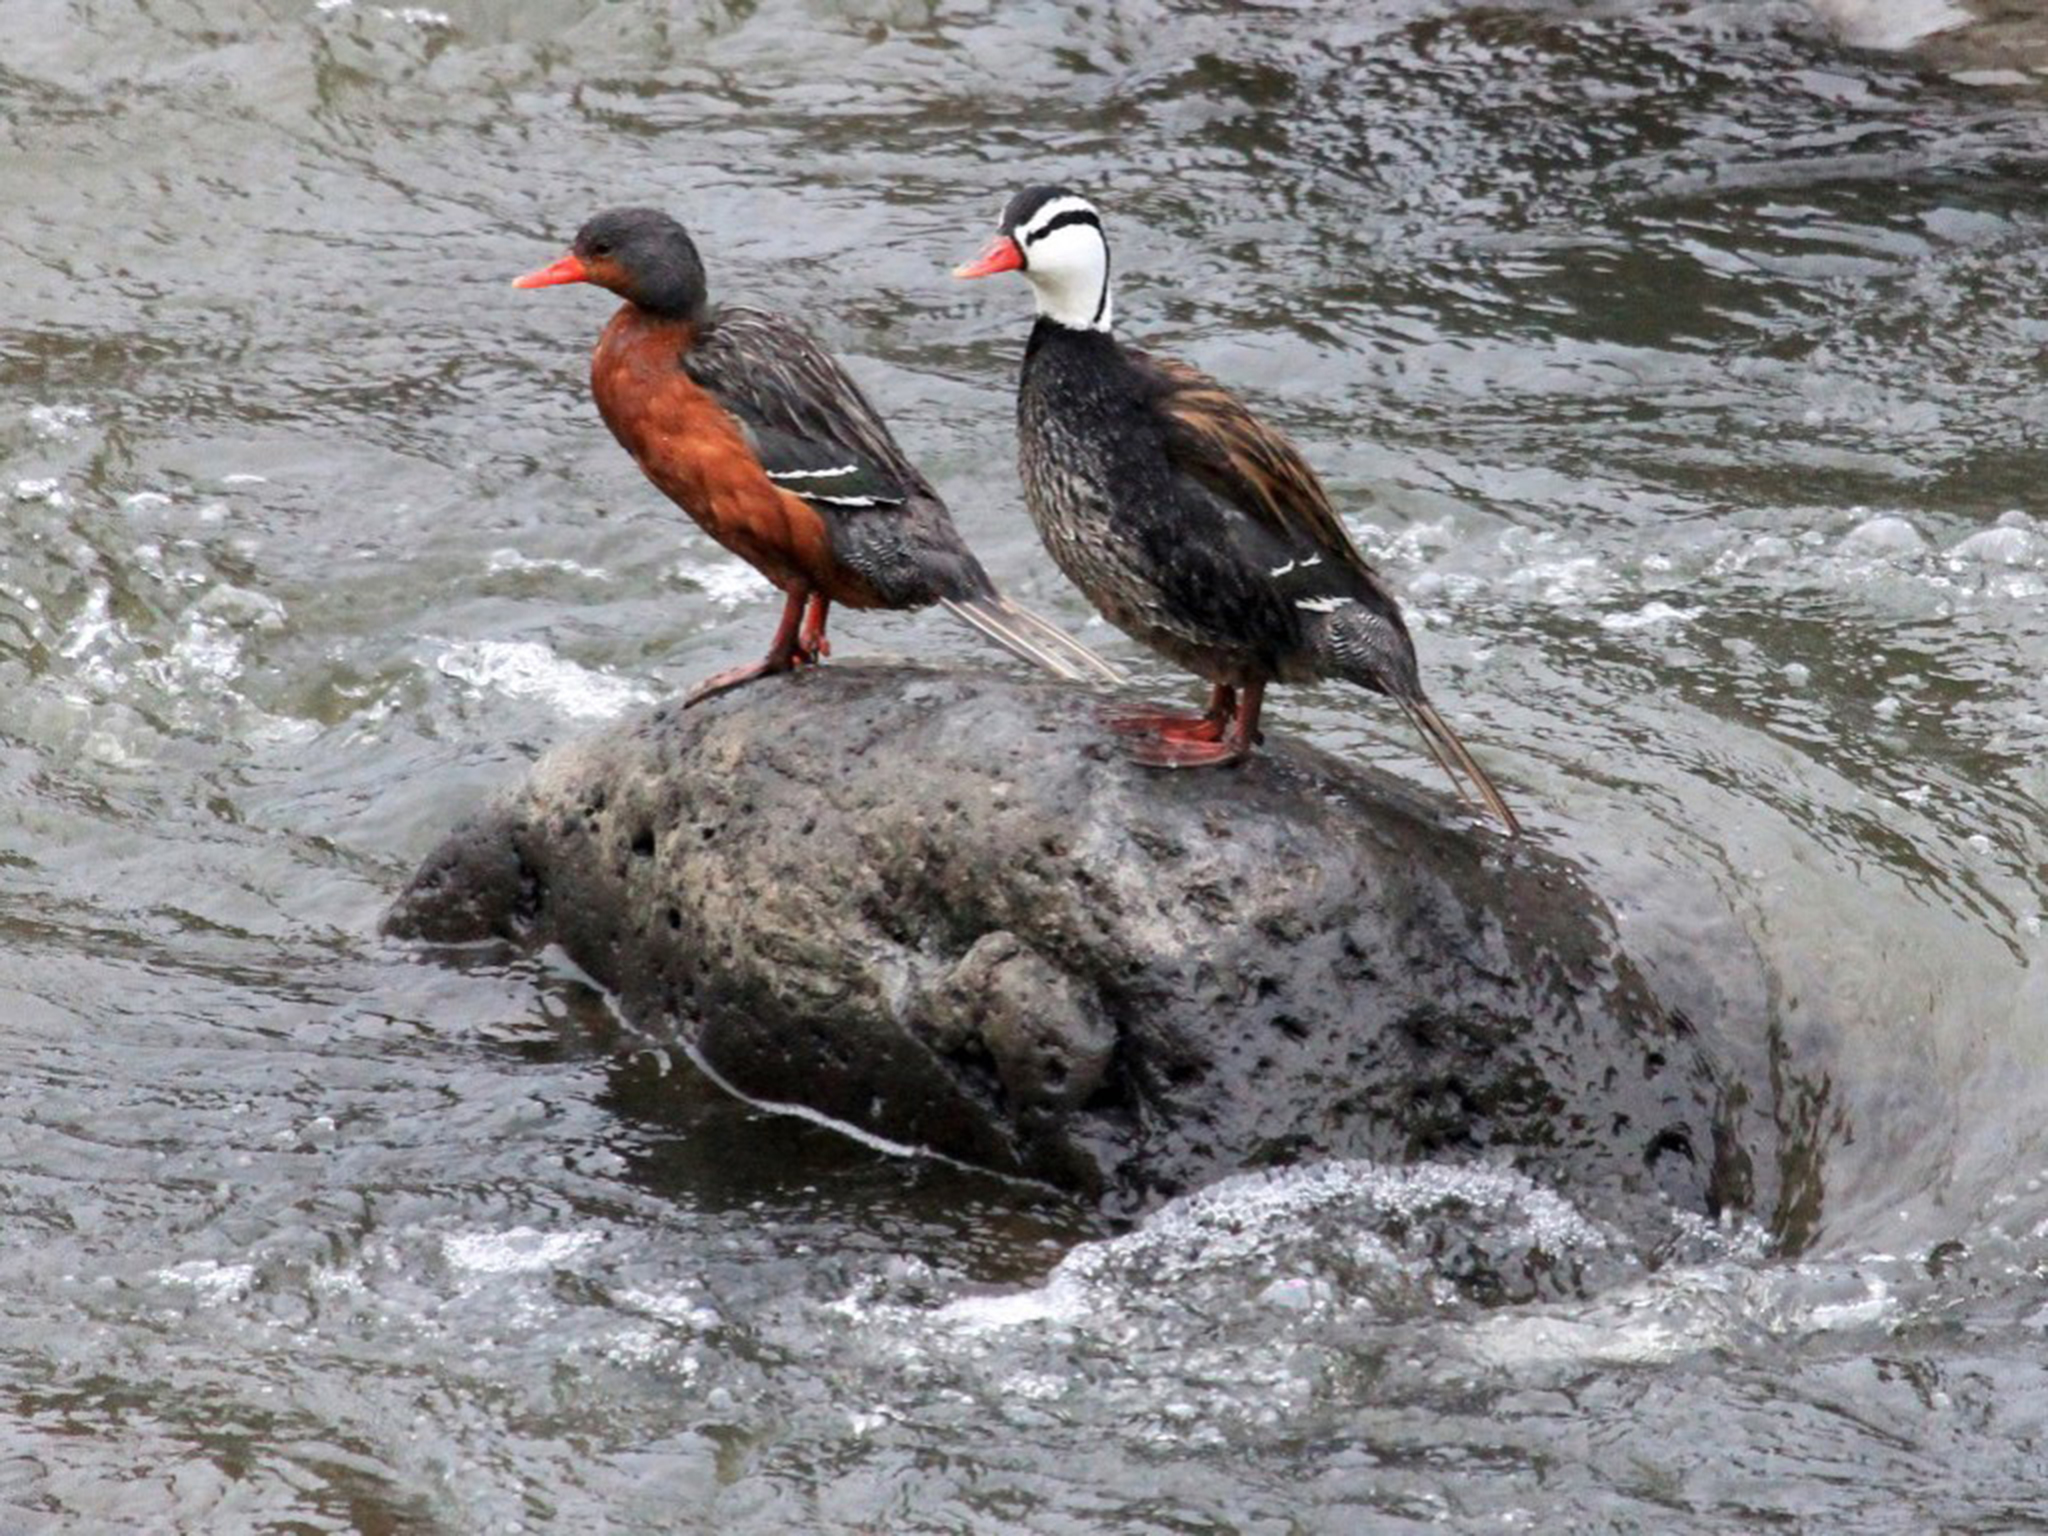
(1022, 208)
(1071, 216)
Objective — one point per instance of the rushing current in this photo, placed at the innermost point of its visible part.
(1680, 362)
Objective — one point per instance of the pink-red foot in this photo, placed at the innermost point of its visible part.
(1173, 752)
(1166, 724)
(736, 677)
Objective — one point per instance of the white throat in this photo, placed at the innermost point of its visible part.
(1067, 262)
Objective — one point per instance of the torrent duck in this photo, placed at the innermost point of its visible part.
(1196, 528)
(748, 424)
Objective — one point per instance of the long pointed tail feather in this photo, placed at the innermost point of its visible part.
(1059, 640)
(1023, 633)
(1438, 756)
(1456, 761)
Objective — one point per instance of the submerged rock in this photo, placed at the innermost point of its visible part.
(941, 907)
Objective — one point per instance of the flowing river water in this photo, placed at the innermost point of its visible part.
(1684, 368)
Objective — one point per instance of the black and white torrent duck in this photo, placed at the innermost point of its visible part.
(1195, 527)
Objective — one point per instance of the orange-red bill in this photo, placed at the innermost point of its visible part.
(568, 270)
(1002, 255)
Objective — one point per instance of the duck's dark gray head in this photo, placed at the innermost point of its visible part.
(641, 254)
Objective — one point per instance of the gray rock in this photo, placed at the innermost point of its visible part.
(942, 907)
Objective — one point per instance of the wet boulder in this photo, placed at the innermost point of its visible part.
(943, 908)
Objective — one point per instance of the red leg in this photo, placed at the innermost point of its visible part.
(813, 646)
(1174, 726)
(1234, 746)
(783, 655)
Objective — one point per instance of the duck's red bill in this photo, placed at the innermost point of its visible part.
(1002, 255)
(568, 270)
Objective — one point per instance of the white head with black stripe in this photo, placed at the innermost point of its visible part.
(1054, 237)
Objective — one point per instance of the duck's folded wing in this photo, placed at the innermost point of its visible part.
(813, 430)
(825, 473)
(1213, 438)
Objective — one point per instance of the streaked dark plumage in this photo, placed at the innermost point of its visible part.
(749, 425)
(1195, 527)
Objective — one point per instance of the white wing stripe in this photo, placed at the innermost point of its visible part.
(813, 474)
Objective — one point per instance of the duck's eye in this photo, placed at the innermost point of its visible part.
(600, 247)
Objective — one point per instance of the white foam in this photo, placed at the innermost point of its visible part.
(1992, 77)
(729, 584)
(1514, 1339)
(93, 624)
(58, 421)
(1687, 1310)
(518, 1251)
(1890, 24)
(241, 608)
(207, 651)
(1886, 535)
(210, 1282)
(681, 1311)
(339, 1282)
(503, 560)
(1565, 579)
(1243, 1221)
(1652, 615)
(526, 669)
(1999, 546)
(1062, 1299)
(1875, 1305)
(639, 1348)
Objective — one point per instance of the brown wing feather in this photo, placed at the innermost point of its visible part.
(1213, 437)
